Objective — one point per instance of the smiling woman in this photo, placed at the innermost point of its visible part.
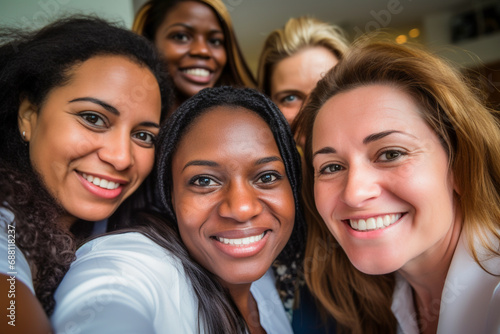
(231, 202)
(198, 43)
(77, 132)
(403, 163)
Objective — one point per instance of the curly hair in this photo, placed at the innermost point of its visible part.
(217, 309)
(31, 65)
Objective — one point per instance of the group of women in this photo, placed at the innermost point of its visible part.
(387, 222)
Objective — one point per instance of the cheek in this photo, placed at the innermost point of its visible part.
(146, 157)
(221, 57)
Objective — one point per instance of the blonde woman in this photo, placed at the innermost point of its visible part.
(403, 163)
(295, 57)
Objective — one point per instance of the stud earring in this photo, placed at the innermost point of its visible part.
(24, 135)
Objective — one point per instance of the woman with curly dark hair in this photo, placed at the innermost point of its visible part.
(229, 177)
(81, 102)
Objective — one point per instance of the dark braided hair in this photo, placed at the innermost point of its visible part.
(216, 308)
(32, 64)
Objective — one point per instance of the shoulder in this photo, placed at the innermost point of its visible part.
(273, 317)
(123, 281)
(16, 264)
(133, 254)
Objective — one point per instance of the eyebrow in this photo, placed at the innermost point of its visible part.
(380, 135)
(201, 163)
(210, 163)
(368, 139)
(103, 104)
(268, 159)
(112, 109)
(190, 27)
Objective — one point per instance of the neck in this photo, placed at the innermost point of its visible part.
(247, 306)
(427, 278)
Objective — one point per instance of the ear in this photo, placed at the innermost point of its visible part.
(27, 118)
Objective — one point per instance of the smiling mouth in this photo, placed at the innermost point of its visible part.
(374, 223)
(198, 72)
(102, 183)
(242, 241)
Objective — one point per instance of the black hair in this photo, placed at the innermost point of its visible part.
(32, 63)
(216, 308)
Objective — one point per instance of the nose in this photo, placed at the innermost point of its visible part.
(200, 48)
(240, 202)
(117, 151)
(360, 186)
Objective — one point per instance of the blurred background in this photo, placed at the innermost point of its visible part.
(465, 31)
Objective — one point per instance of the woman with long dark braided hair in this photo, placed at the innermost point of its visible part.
(229, 182)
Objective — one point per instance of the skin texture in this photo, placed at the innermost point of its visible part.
(191, 38)
(101, 123)
(228, 186)
(294, 78)
(391, 162)
(224, 188)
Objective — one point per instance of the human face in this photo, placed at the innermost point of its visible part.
(294, 78)
(92, 139)
(382, 184)
(192, 42)
(231, 195)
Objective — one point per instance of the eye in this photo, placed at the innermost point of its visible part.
(289, 99)
(330, 169)
(179, 37)
(146, 138)
(269, 178)
(216, 41)
(93, 119)
(391, 155)
(203, 181)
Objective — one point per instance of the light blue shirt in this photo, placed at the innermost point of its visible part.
(20, 268)
(126, 283)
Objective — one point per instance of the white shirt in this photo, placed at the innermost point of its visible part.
(470, 301)
(126, 283)
(19, 268)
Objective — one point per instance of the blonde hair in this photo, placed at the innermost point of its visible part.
(236, 72)
(469, 132)
(297, 34)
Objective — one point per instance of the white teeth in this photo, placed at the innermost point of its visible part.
(374, 223)
(199, 72)
(101, 182)
(242, 241)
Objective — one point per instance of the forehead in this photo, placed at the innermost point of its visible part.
(305, 67)
(192, 11)
(373, 108)
(233, 129)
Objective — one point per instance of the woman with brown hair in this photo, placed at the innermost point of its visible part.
(198, 44)
(403, 182)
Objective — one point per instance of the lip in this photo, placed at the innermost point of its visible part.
(239, 250)
(191, 77)
(102, 192)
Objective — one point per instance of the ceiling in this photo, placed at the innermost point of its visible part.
(255, 19)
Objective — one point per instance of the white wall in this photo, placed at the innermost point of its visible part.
(37, 13)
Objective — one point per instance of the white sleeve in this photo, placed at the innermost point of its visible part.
(123, 283)
(12, 261)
